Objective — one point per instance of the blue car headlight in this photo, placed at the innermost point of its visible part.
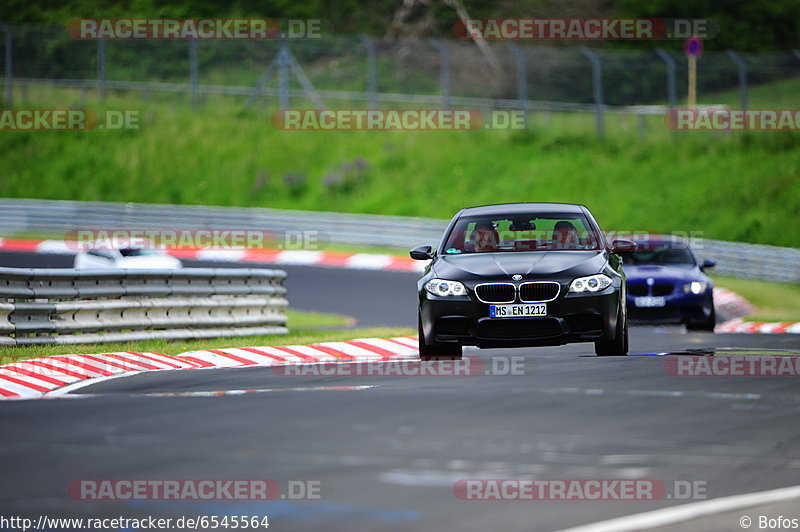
(592, 283)
(695, 287)
(443, 288)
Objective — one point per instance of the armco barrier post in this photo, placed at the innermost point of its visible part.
(444, 73)
(522, 80)
(742, 64)
(597, 84)
(9, 65)
(101, 68)
(372, 74)
(193, 71)
(671, 91)
(283, 75)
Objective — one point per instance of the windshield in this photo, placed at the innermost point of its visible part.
(666, 253)
(521, 232)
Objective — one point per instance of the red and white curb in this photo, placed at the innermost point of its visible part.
(40, 377)
(361, 350)
(758, 327)
(731, 304)
(297, 257)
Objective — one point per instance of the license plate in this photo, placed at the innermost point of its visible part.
(517, 311)
(649, 302)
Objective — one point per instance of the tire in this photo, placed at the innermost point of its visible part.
(436, 350)
(706, 325)
(619, 345)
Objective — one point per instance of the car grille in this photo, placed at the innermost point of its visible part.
(516, 328)
(658, 289)
(496, 293)
(663, 289)
(637, 289)
(531, 292)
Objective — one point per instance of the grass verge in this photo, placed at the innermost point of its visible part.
(295, 337)
(772, 301)
(741, 187)
(304, 329)
(305, 319)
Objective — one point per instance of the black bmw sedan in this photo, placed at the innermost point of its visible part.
(520, 275)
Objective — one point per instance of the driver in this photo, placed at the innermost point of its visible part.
(565, 236)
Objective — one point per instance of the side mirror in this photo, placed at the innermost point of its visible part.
(708, 263)
(421, 253)
(623, 246)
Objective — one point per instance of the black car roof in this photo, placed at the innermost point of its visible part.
(515, 208)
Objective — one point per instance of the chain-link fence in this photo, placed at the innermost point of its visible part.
(367, 72)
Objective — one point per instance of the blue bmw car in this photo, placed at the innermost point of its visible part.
(666, 283)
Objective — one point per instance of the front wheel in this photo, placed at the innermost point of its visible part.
(706, 325)
(619, 345)
(432, 350)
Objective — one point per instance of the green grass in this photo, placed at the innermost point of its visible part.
(772, 301)
(354, 248)
(742, 187)
(304, 328)
(304, 319)
(778, 95)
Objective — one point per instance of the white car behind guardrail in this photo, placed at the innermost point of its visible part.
(125, 257)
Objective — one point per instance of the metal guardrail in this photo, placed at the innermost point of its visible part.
(753, 261)
(67, 306)
(51, 217)
(749, 261)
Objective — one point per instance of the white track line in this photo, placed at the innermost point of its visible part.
(686, 512)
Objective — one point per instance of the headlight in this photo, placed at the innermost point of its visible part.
(695, 287)
(441, 288)
(593, 283)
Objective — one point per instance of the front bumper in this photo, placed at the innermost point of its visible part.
(677, 309)
(570, 318)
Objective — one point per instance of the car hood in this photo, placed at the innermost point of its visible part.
(528, 264)
(665, 272)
